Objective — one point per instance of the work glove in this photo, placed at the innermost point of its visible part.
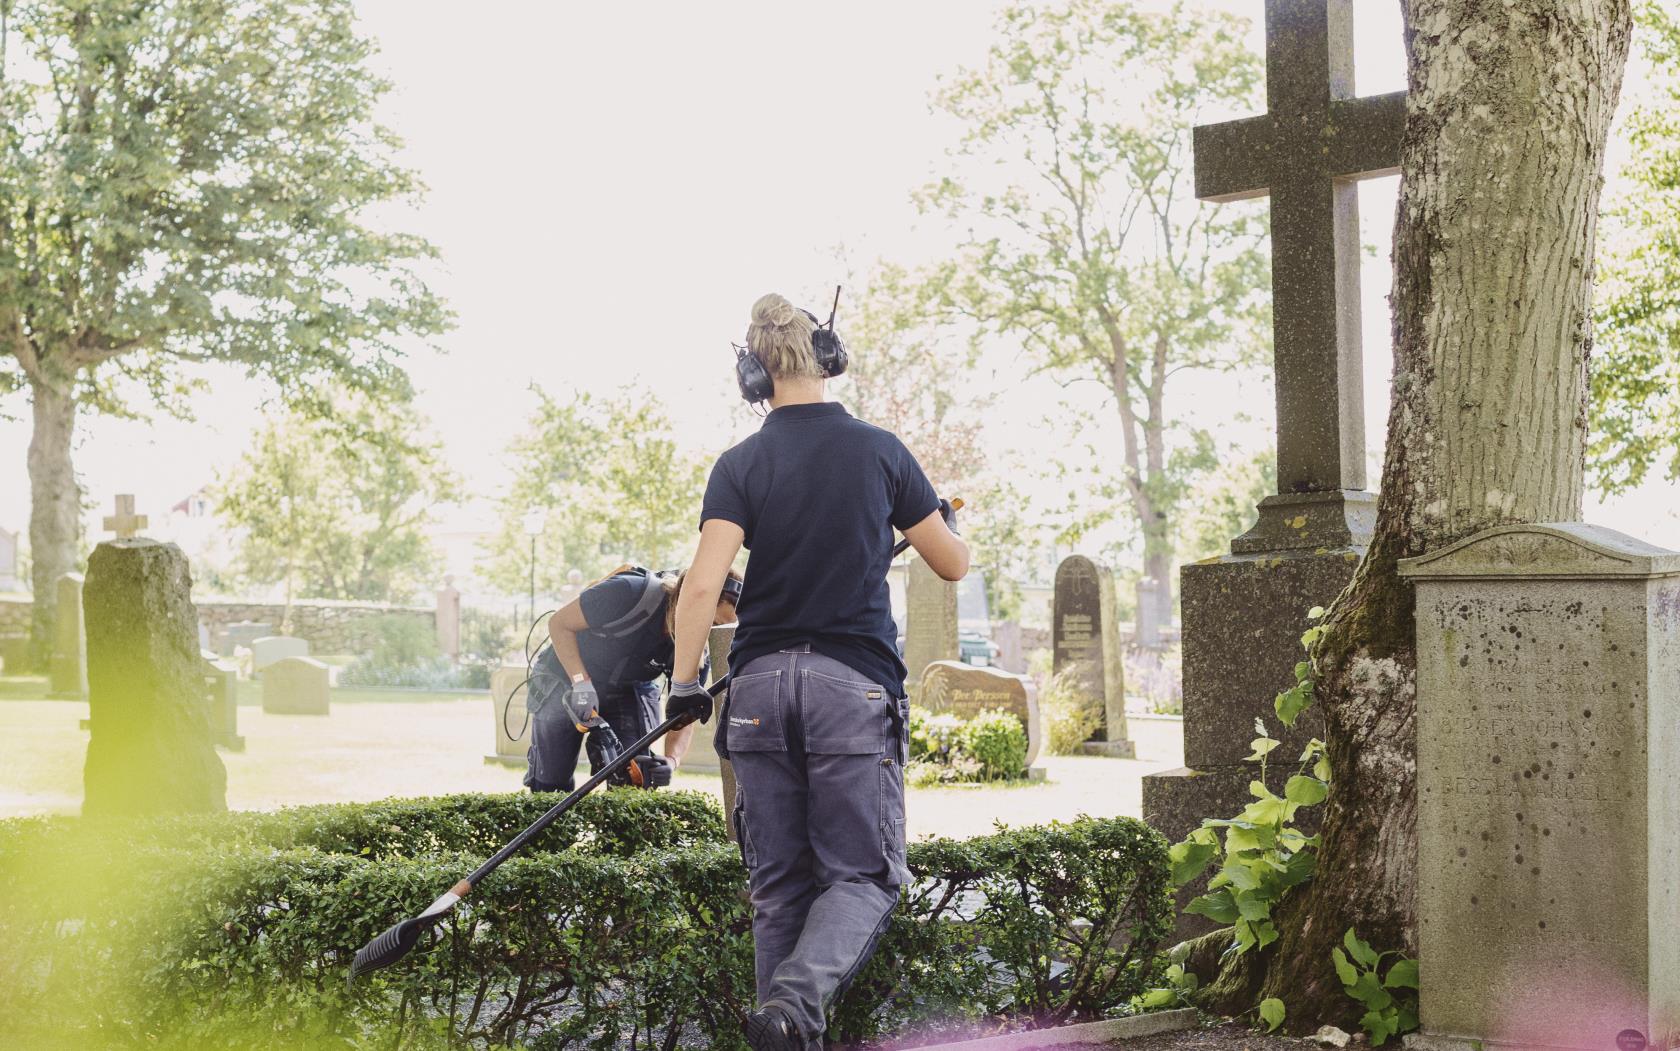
(949, 513)
(688, 698)
(586, 704)
(644, 771)
(602, 745)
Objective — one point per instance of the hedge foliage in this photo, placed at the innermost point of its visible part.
(627, 927)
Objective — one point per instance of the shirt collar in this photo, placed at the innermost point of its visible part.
(809, 411)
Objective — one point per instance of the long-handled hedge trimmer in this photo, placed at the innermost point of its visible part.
(396, 942)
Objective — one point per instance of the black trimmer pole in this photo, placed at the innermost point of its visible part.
(396, 942)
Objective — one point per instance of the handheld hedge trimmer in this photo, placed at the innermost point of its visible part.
(399, 940)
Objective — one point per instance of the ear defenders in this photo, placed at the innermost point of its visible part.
(829, 349)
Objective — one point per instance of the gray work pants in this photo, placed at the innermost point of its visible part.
(819, 808)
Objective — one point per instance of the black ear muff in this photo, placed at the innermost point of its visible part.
(826, 345)
(752, 377)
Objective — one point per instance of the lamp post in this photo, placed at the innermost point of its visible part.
(533, 529)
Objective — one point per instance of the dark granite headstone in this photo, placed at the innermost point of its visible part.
(1086, 638)
(151, 749)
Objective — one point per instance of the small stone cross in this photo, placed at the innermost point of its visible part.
(125, 523)
(1306, 151)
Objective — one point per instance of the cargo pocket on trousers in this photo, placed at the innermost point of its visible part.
(893, 831)
(844, 716)
(752, 720)
(738, 816)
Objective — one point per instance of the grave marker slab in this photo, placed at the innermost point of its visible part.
(702, 755)
(930, 614)
(966, 691)
(8, 561)
(69, 658)
(221, 686)
(1548, 789)
(512, 719)
(150, 749)
(297, 686)
(270, 648)
(1085, 637)
(449, 618)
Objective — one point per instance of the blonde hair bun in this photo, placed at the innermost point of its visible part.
(780, 337)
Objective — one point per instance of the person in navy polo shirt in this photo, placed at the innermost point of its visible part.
(814, 721)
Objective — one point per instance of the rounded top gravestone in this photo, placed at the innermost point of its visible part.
(965, 691)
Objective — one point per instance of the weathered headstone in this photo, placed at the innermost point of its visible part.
(1012, 653)
(966, 691)
(221, 688)
(151, 748)
(449, 618)
(507, 709)
(1148, 634)
(1243, 613)
(1086, 638)
(241, 634)
(69, 657)
(930, 614)
(297, 686)
(271, 648)
(1548, 762)
(8, 561)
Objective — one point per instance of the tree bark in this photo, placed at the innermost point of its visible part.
(1509, 110)
(55, 507)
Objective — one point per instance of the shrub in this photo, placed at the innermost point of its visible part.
(1154, 675)
(934, 737)
(1069, 715)
(998, 742)
(625, 928)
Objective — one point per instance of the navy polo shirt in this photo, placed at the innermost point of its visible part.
(818, 494)
(641, 656)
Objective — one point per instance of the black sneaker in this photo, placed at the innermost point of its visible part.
(769, 1029)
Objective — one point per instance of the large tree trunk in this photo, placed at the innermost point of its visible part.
(54, 510)
(1511, 103)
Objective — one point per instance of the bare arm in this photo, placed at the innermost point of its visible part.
(945, 552)
(720, 542)
(563, 627)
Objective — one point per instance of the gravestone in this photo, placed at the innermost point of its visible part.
(1548, 762)
(449, 618)
(297, 686)
(69, 657)
(1086, 638)
(512, 719)
(271, 648)
(930, 614)
(1242, 614)
(8, 561)
(241, 634)
(965, 691)
(151, 748)
(221, 687)
(1012, 653)
(1148, 633)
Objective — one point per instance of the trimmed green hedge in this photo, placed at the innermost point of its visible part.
(628, 929)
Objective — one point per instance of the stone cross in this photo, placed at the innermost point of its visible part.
(1313, 143)
(125, 523)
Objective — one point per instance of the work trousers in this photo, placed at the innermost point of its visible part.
(818, 754)
(630, 708)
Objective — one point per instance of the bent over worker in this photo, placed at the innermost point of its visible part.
(609, 645)
(815, 717)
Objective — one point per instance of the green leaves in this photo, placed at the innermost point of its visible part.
(1390, 1001)
(1306, 791)
(1271, 1012)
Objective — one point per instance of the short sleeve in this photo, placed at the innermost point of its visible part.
(610, 599)
(724, 498)
(914, 499)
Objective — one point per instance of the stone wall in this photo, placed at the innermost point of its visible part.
(329, 626)
(14, 614)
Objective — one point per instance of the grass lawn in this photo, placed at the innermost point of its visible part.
(377, 744)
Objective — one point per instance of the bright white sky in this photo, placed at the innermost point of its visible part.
(611, 185)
